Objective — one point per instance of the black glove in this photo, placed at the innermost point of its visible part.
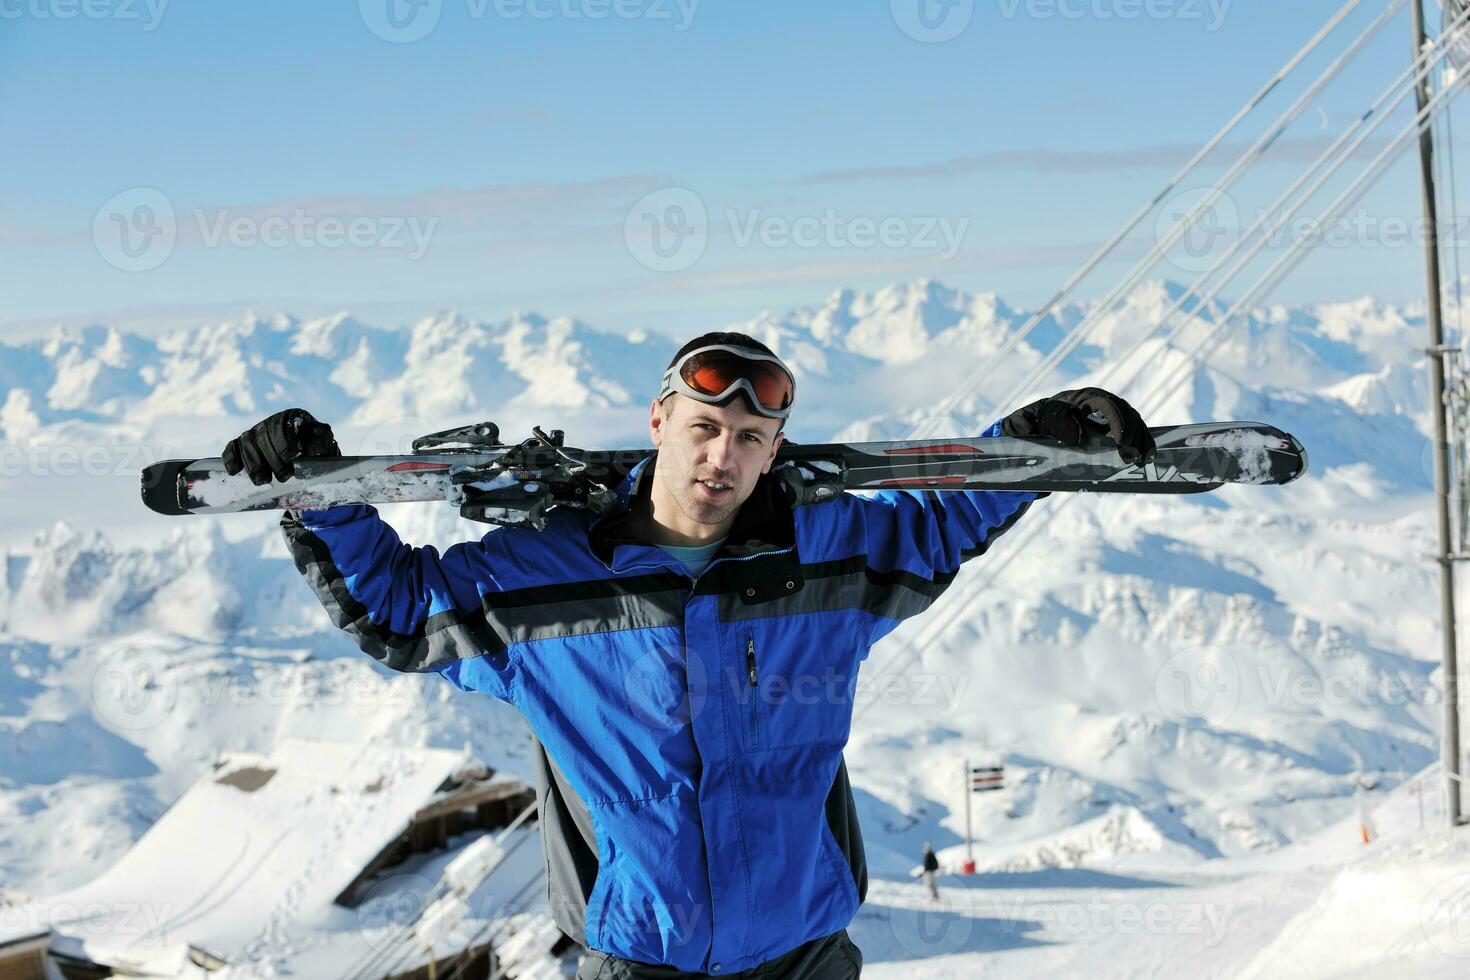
(267, 448)
(1065, 416)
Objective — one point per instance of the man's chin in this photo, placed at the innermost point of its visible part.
(703, 512)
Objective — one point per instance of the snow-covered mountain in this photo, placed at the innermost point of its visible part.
(441, 365)
(1309, 609)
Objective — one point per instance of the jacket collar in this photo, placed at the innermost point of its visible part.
(763, 523)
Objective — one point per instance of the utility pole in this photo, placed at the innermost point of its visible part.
(969, 850)
(1437, 352)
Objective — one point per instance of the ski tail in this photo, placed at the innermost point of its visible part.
(159, 485)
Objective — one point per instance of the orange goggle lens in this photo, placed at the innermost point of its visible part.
(713, 373)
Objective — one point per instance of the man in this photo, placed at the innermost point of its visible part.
(686, 663)
(931, 870)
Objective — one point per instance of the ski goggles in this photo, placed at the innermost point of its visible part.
(716, 373)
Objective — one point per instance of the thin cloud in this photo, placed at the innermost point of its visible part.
(514, 211)
(1043, 160)
(467, 208)
(21, 235)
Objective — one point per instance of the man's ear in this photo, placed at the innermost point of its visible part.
(775, 448)
(656, 423)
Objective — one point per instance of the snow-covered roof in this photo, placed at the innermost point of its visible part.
(252, 851)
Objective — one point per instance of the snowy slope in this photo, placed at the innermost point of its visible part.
(139, 649)
(1326, 906)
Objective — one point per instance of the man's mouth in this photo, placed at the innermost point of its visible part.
(715, 488)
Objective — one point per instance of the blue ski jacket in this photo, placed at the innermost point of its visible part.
(695, 809)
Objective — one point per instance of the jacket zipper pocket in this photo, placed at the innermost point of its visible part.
(754, 694)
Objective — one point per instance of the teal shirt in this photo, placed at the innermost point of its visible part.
(695, 559)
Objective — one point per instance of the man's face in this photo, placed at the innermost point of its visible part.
(699, 445)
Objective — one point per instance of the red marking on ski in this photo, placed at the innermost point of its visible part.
(947, 448)
(407, 466)
(922, 481)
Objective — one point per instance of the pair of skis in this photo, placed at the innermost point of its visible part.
(516, 485)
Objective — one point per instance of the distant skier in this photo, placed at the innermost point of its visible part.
(686, 663)
(931, 870)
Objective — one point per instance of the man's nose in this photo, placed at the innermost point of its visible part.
(721, 452)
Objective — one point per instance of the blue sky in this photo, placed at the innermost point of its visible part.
(512, 157)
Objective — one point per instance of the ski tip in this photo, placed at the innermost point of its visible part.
(160, 486)
(1301, 451)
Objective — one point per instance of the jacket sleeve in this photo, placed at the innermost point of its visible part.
(408, 608)
(916, 541)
